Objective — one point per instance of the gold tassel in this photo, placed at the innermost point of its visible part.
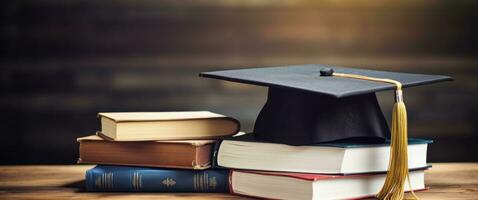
(397, 174)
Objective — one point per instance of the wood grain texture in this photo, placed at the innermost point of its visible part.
(446, 181)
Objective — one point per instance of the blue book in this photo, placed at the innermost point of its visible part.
(108, 178)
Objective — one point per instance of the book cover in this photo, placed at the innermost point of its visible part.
(341, 144)
(279, 185)
(154, 126)
(108, 178)
(317, 177)
(185, 154)
(214, 152)
(247, 152)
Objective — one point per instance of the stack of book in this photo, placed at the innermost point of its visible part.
(323, 171)
(156, 152)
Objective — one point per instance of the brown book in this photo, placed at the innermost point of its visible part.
(187, 154)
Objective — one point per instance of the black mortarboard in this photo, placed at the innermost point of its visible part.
(305, 107)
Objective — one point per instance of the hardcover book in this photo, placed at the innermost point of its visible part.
(277, 185)
(187, 154)
(247, 152)
(142, 126)
(104, 178)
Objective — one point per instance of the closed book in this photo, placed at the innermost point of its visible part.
(187, 154)
(279, 185)
(151, 126)
(107, 178)
(247, 152)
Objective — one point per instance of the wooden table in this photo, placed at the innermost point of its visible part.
(446, 181)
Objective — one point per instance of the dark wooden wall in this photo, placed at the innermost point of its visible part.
(64, 61)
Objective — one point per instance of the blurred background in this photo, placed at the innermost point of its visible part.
(62, 62)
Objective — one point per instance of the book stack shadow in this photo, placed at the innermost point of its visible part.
(202, 152)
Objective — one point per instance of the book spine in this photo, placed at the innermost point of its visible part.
(139, 179)
(214, 154)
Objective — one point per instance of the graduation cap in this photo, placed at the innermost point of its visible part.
(310, 104)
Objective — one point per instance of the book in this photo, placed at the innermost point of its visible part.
(278, 185)
(247, 152)
(141, 126)
(188, 154)
(106, 178)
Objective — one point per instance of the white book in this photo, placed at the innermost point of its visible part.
(244, 152)
(297, 186)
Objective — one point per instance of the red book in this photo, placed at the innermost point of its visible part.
(278, 185)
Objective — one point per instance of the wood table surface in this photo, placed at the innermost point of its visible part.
(446, 181)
